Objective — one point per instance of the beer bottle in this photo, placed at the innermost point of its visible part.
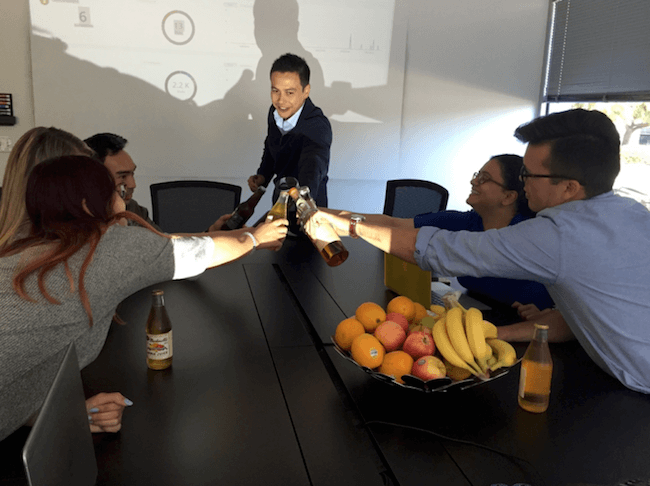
(244, 210)
(279, 209)
(536, 371)
(159, 334)
(320, 231)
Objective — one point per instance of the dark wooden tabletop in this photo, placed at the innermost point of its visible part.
(257, 394)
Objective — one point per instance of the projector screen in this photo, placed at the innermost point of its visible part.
(187, 83)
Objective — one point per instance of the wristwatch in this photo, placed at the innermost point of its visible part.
(354, 219)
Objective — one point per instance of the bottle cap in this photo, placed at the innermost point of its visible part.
(157, 292)
(541, 326)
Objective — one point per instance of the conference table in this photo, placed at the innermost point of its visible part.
(257, 394)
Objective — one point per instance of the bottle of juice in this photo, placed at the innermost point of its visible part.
(320, 232)
(536, 372)
(159, 334)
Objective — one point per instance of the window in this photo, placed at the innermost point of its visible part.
(598, 58)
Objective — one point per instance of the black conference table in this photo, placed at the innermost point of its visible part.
(257, 393)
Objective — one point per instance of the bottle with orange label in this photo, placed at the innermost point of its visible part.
(536, 372)
(320, 232)
(159, 334)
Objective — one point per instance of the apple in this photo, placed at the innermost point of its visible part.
(418, 344)
(429, 368)
(391, 335)
(400, 319)
(420, 328)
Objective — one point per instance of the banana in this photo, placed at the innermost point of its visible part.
(476, 338)
(490, 353)
(458, 338)
(505, 353)
(490, 330)
(438, 310)
(443, 344)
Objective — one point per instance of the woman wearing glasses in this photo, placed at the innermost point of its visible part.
(498, 200)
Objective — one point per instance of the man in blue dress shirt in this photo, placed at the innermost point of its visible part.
(589, 247)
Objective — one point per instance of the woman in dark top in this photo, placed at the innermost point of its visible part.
(498, 200)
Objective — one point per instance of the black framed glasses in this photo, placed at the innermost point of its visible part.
(483, 177)
(524, 174)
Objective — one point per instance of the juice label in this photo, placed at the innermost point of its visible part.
(159, 346)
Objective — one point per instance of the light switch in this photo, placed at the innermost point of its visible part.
(5, 144)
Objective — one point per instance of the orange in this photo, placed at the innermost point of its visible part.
(346, 331)
(402, 305)
(396, 364)
(420, 312)
(367, 351)
(370, 315)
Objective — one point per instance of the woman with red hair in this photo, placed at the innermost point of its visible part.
(64, 277)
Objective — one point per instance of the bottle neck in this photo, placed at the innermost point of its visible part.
(541, 335)
(158, 300)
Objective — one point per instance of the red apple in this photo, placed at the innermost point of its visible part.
(429, 368)
(400, 319)
(419, 344)
(419, 328)
(391, 335)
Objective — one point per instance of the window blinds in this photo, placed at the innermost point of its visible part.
(599, 50)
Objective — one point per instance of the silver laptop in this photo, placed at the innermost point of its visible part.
(59, 449)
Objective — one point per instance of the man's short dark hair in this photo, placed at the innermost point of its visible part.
(105, 144)
(585, 146)
(290, 63)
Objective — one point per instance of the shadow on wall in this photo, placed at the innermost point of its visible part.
(223, 139)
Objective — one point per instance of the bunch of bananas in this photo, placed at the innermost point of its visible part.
(470, 343)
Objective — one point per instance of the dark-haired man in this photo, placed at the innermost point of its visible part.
(109, 150)
(299, 134)
(588, 246)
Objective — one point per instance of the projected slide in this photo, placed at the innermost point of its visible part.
(187, 82)
(197, 50)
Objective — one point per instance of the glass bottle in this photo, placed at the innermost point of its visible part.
(244, 210)
(159, 334)
(536, 372)
(279, 209)
(320, 231)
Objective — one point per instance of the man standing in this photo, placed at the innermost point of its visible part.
(109, 150)
(299, 134)
(588, 246)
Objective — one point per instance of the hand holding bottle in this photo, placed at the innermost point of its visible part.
(271, 234)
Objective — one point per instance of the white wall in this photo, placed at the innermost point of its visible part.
(471, 76)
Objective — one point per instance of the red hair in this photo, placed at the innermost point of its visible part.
(69, 202)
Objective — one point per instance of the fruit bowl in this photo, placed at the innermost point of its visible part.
(414, 383)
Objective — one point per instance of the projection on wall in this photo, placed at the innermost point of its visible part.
(188, 82)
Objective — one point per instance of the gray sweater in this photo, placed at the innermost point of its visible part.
(33, 336)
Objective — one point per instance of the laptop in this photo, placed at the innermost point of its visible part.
(59, 449)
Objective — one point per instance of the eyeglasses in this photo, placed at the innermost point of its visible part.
(483, 177)
(524, 174)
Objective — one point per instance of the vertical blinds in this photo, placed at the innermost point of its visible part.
(599, 51)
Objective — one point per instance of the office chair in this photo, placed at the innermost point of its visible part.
(191, 206)
(406, 198)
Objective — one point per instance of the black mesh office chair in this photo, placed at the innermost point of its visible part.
(191, 206)
(406, 198)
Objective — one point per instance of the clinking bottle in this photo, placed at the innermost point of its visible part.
(279, 209)
(159, 334)
(244, 211)
(320, 232)
(536, 372)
